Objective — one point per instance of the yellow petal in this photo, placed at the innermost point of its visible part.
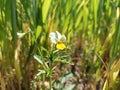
(60, 46)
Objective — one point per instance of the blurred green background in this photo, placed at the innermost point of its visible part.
(92, 28)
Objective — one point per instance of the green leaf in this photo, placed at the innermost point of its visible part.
(65, 24)
(38, 31)
(55, 52)
(41, 72)
(38, 59)
(46, 66)
(79, 18)
(44, 50)
(68, 6)
(14, 20)
(57, 85)
(62, 61)
(65, 77)
(45, 9)
(42, 62)
(70, 87)
(85, 17)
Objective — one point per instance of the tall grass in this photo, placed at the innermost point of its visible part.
(92, 29)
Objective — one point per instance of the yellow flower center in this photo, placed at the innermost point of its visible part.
(60, 46)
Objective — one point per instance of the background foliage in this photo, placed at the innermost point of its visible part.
(92, 28)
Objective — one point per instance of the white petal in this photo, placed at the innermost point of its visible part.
(52, 36)
(20, 35)
(63, 38)
(58, 35)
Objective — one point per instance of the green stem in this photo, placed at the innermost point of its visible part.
(19, 82)
(50, 82)
(50, 76)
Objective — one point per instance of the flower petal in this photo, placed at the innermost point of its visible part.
(63, 38)
(20, 35)
(60, 46)
(58, 35)
(52, 36)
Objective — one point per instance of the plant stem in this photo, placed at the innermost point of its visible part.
(50, 82)
(50, 67)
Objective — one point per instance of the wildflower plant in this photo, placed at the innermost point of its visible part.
(58, 53)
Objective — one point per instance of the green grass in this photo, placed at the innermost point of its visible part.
(92, 29)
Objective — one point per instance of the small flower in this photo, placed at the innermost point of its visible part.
(20, 35)
(58, 39)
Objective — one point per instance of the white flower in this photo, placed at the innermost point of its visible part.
(58, 39)
(20, 35)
